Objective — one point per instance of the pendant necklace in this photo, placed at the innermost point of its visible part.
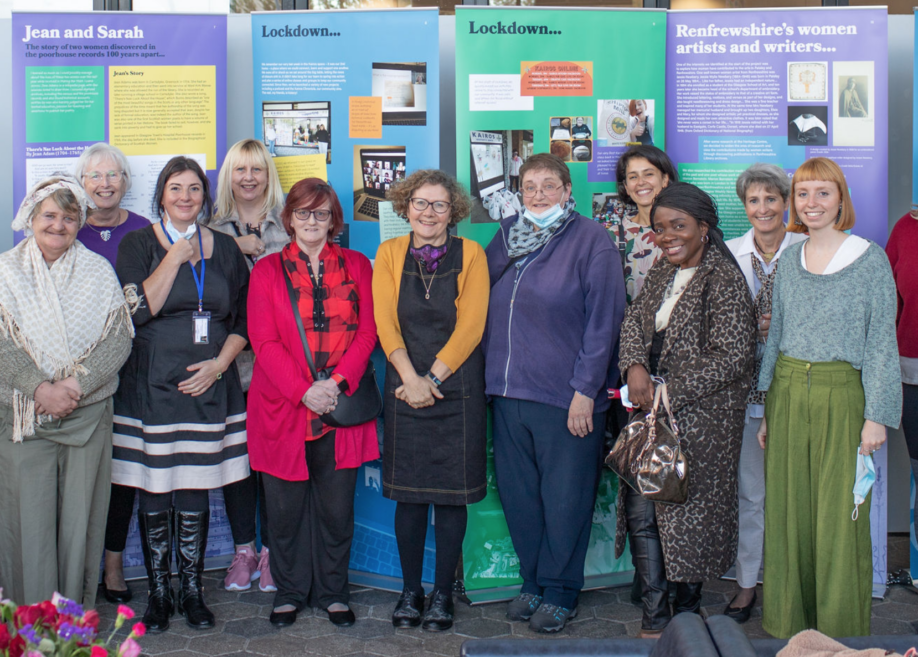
(105, 234)
(768, 256)
(427, 286)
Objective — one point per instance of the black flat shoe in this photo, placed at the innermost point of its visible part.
(408, 609)
(116, 597)
(282, 618)
(344, 618)
(740, 614)
(439, 616)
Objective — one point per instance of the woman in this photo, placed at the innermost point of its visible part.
(180, 411)
(642, 172)
(692, 326)
(641, 125)
(65, 331)
(548, 379)
(902, 250)
(309, 468)
(831, 369)
(106, 177)
(431, 295)
(249, 204)
(763, 190)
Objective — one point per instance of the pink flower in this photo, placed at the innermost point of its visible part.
(98, 651)
(129, 648)
(138, 630)
(34, 653)
(127, 612)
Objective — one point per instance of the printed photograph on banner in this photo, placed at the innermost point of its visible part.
(853, 104)
(640, 123)
(496, 157)
(560, 127)
(609, 209)
(582, 127)
(376, 169)
(403, 89)
(625, 122)
(561, 148)
(297, 128)
(807, 125)
(582, 150)
(807, 82)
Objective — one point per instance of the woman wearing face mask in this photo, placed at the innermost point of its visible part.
(180, 410)
(548, 380)
(431, 299)
(831, 368)
(764, 190)
(642, 172)
(249, 205)
(693, 327)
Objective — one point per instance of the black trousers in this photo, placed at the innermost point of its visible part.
(650, 567)
(910, 427)
(120, 509)
(312, 525)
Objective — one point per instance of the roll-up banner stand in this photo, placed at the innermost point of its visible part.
(913, 539)
(152, 85)
(532, 80)
(782, 86)
(354, 97)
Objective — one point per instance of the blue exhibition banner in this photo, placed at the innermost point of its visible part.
(354, 94)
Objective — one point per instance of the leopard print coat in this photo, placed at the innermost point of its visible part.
(707, 360)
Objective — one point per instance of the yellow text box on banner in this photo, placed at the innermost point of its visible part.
(291, 170)
(162, 110)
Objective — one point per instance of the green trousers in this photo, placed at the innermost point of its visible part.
(818, 561)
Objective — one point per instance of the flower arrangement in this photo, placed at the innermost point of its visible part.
(60, 628)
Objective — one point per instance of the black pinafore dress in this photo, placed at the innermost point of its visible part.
(435, 455)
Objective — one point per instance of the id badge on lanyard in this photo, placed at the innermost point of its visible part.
(201, 321)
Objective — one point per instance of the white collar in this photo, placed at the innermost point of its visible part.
(748, 245)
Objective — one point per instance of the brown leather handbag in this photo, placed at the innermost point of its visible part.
(648, 455)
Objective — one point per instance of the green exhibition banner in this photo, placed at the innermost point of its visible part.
(532, 80)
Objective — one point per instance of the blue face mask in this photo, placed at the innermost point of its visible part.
(545, 219)
(863, 481)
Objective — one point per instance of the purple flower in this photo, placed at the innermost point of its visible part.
(29, 634)
(67, 606)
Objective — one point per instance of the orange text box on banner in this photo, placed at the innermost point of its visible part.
(556, 78)
(366, 117)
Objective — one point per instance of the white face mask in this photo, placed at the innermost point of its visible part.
(544, 219)
(175, 234)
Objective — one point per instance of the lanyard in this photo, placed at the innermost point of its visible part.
(199, 282)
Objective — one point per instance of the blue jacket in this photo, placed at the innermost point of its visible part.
(554, 316)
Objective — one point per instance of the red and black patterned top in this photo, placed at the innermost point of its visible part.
(328, 303)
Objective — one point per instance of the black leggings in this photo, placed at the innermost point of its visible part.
(120, 509)
(241, 499)
(910, 427)
(411, 531)
(194, 501)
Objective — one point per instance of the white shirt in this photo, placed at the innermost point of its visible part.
(850, 250)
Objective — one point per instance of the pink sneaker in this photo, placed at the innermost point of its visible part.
(242, 571)
(266, 583)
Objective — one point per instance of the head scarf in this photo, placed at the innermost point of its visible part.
(23, 220)
(56, 314)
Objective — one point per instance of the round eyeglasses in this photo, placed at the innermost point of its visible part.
(421, 204)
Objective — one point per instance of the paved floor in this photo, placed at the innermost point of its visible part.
(243, 629)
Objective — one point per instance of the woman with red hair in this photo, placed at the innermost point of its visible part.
(309, 467)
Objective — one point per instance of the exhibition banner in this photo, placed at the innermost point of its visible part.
(531, 80)
(356, 92)
(152, 85)
(780, 86)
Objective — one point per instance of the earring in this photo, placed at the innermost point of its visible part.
(797, 221)
(838, 218)
(704, 238)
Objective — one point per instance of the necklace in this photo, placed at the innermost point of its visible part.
(767, 255)
(427, 286)
(106, 233)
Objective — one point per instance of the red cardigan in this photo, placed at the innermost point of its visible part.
(276, 424)
(902, 249)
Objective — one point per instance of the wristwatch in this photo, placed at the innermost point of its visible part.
(430, 375)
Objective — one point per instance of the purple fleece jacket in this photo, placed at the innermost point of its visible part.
(554, 316)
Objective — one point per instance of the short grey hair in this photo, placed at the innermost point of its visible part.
(770, 176)
(99, 151)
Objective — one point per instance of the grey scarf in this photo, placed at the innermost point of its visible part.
(524, 238)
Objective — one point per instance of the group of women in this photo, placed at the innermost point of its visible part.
(253, 332)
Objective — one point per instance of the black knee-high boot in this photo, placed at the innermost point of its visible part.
(191, 542)
(156, 541)
(688, 597)
(647, 555)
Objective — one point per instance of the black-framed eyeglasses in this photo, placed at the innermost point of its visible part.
(421, 204)
(320, 215)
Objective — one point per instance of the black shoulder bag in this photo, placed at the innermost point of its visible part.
(366, 402)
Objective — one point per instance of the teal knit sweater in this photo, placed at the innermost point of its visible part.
(847, 316)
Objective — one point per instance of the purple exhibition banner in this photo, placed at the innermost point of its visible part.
(152, 85)
(779, 86)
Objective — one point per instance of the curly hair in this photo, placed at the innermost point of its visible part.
(401, 192)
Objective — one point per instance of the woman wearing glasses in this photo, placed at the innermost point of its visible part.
(557, 300)
(105, 174)
(431, 293)
(309, 469)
